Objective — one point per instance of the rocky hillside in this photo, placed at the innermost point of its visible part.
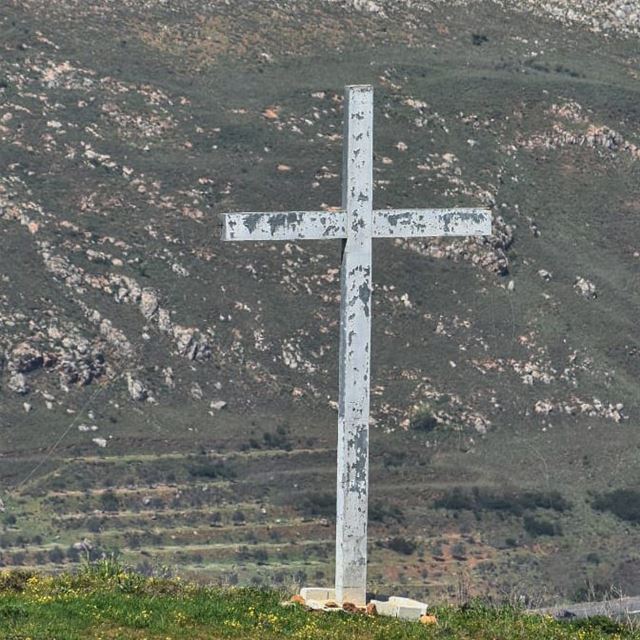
(143, 360)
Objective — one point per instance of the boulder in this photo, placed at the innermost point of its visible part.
(18, 383)
(25, 358)
(585, 288)
(149, 303)
(137, 390)
(545, 275)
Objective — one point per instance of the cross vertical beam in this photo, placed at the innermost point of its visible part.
(355, 337)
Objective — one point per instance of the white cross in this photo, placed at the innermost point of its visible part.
(356, 223)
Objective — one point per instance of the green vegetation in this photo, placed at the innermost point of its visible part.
(541, 527)
(402, 545)
(424, 419)
(105, 600)
(513, 502)
(624, 503)
(473, 104)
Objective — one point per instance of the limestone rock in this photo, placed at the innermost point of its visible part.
(545, 275)
(180, 270)
(149, 303)
(18, 383)
(167, 372)
(585, 288)
(115, 337)
(490, 253)
(25, 358)
(196, 391)
(543, 407)
(368, 6)
(190, 343)
(164, 320)
(137, 390)
(83, 545)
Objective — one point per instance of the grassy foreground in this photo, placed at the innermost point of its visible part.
(106, 601)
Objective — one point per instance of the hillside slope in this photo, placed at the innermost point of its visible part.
(173, 397)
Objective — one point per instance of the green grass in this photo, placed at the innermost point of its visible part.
(107, 601)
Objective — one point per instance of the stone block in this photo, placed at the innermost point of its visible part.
(403, 608)
(317, 594)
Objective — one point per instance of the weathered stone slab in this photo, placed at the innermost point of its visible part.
(403, 608)
(318, 594)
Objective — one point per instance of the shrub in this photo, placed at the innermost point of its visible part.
(109, 501)
(591, 591)
(540, 527)
(318, 505)
(211, 470)
(73, 555)
(512, 502)
(261, 556)
(402, 545)
(624, 503)
(278, 440)
(424, 419)
(457, 499)
(238, 517)
(56, 555)
(94, 525)
(9, 519)
(132, 539)
(393, 458)
(18, 558)
(382, 512)
(14, 581)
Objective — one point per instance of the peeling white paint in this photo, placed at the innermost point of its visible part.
(387, 223)
(355, 335)
(355, 224)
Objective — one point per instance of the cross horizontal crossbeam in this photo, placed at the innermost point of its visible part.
(325, 225)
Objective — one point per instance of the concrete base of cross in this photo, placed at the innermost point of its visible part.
(395, 607)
